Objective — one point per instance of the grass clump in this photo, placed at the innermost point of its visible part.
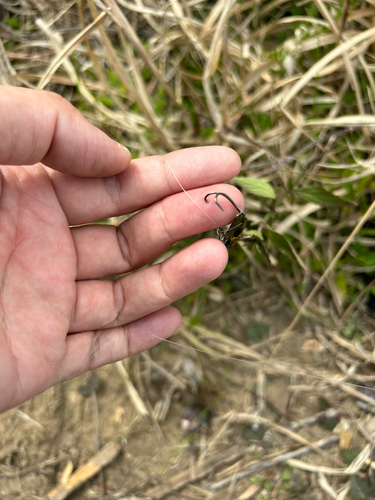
(290, 87)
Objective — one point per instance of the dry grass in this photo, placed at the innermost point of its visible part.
(290, 87)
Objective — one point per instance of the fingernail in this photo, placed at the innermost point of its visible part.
(123, 148)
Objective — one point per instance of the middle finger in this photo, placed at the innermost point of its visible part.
(107, 250)
(144, 182)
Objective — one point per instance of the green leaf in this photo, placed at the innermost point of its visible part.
(360, 489)
(321, 197)
(348, 455)
(283, 245)
(280, 242)
(261, 253)
(106, 100)
(13, 23)
(256, 330)
(256, 186)
(366, 259)
(254, 232)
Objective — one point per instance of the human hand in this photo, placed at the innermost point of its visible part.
(58, 318)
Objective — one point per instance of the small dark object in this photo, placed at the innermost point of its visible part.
(193, 418)
(90, 387)
(233, 234)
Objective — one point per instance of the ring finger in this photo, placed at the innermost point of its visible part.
(102, 304)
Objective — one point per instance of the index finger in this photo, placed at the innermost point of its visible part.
(144, 182)
(39, 126)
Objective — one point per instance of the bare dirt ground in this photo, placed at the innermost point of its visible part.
(248, 418)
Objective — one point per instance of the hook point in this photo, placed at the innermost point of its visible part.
(225, 196)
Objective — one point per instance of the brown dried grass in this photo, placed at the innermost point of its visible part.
(294, 95)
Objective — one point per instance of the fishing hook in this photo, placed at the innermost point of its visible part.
(233, 233)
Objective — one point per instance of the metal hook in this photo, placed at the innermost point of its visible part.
(225, 196)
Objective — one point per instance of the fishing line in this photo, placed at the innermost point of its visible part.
(188, 195)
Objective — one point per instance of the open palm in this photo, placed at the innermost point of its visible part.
(58, 317)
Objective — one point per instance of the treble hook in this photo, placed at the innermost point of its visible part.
(225, 196)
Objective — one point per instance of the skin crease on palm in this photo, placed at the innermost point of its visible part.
(58, 318)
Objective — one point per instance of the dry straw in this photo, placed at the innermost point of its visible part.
(291, 88)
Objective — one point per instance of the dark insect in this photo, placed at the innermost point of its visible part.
(233, 233)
